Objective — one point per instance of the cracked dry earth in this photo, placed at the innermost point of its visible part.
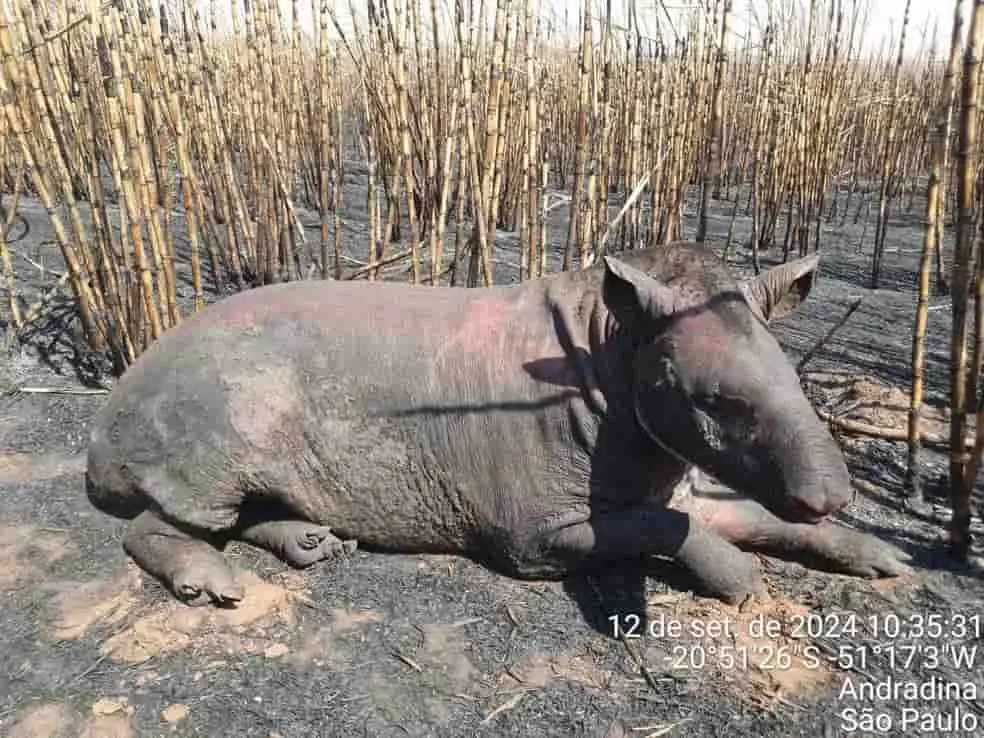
(391, 645)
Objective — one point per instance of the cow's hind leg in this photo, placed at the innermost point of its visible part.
(297, 542)
(183, 559)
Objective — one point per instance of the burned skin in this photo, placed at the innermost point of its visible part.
(508, 424)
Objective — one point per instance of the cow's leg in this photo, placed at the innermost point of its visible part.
(188, 565)
(297, 542)
(720, 569)
(825, 545)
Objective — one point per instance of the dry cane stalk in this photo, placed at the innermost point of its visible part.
(712, 166)
(338, 174)
(960, 460)
(913, 485)
(887, 173)
(486, 180)
(451, 143)
(588, 201)
(604, 145)
(9, 99)
(406, 154)
(578, 203)
(52, 156)
(503, 118)
(325, 138)
(528, 208)
(8, 268)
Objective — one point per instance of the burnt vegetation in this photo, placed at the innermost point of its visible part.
(183, 150)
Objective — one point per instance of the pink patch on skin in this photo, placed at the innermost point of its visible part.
(481, 325)
(703, 335)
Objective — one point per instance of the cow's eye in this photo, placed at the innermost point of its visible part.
(732, 419)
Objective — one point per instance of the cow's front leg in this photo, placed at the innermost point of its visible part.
(720, 569)
(826, 545)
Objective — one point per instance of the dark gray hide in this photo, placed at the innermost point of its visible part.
(536, 428)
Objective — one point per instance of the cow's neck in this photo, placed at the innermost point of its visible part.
(601, 419)
(599, 356)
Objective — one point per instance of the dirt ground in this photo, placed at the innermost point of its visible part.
(391, 645)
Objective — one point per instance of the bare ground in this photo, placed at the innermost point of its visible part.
(390, 645)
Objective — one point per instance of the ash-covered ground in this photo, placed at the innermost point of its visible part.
(391, 645)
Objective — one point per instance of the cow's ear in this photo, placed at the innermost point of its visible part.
(632, 295)
(779, 291)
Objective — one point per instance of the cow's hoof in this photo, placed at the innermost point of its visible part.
(338, 549)
(320, 545)
(847, 551)
(215, 586)
(736, 587)
(722, 570)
